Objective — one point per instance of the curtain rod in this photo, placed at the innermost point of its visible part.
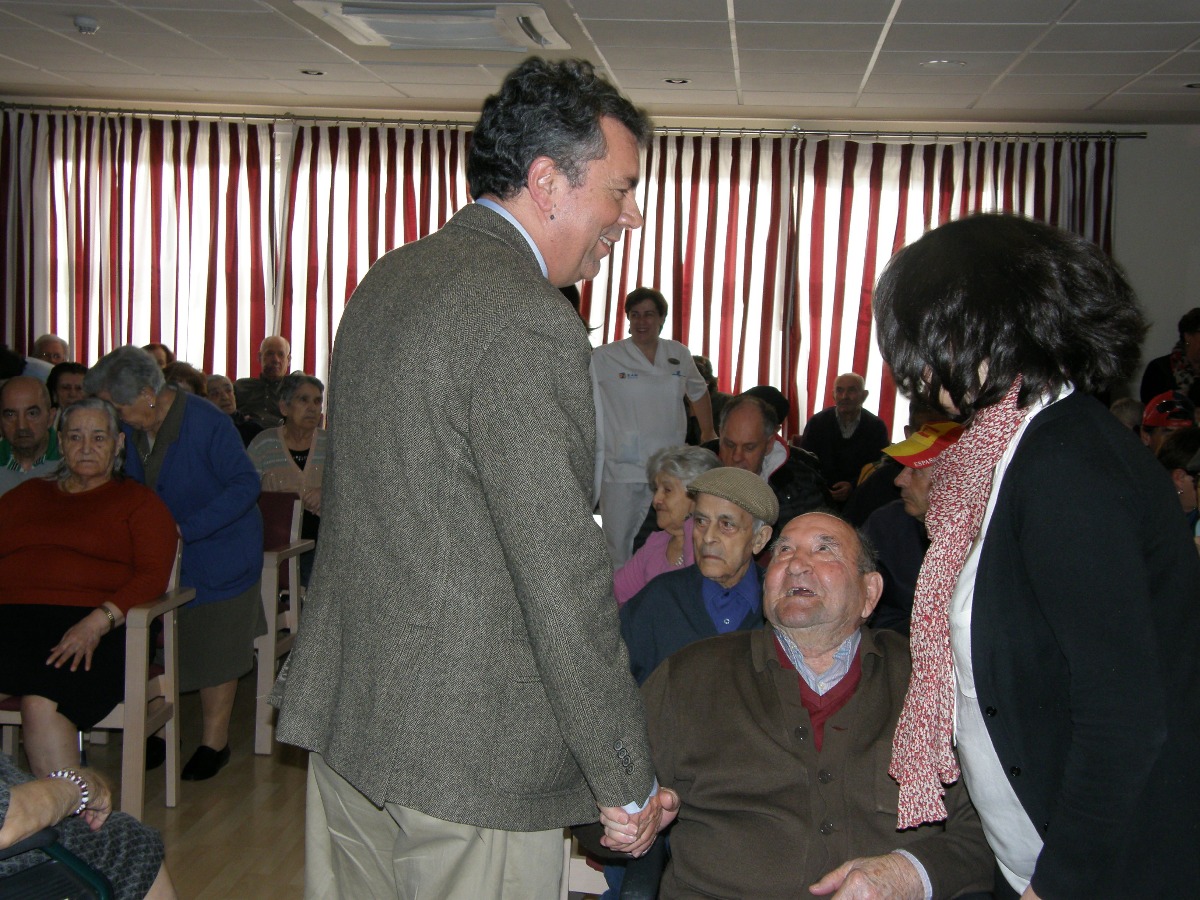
(682, 131)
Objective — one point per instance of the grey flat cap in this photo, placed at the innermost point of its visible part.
(743, 488)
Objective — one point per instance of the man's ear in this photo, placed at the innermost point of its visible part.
(542, 182)
(872, 591)
(865, 394)
(761, 539)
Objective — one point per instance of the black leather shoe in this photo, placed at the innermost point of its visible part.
(205, 763)
(156, 752)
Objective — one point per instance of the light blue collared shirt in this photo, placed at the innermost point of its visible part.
(512, 220)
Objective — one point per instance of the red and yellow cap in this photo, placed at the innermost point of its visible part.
(926, 445)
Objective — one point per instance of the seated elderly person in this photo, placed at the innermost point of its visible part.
(777, 743)
(221, 395)
(76, 552)
(291, 457)
(722, 591)
(78, 803)
(670, 472)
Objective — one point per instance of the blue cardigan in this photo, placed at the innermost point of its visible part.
(211, 488)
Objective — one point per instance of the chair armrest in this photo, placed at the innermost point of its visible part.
(287, 551)
(39, 840)
(143, 614)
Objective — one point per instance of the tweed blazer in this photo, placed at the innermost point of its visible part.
(459, 652)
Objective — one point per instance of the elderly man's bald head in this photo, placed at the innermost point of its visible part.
(275, 356)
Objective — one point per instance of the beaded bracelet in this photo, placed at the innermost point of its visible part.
(76, 779)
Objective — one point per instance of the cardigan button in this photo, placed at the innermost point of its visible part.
(1014, 771)
(826, 827)
(824, 776)
(990, 711)
(801, 732)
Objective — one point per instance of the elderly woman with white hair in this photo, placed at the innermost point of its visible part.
(190, 453)
(77, 551)
(670, 472)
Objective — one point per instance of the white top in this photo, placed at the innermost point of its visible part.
(1010, 833)
(640, 404)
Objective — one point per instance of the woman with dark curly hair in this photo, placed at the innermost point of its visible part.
(1054, 625)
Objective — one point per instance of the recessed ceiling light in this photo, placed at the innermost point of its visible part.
(943, 63)
(1194, 86)
(676, 80)
(311, 72)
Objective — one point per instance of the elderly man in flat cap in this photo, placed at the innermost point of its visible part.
(722, 590)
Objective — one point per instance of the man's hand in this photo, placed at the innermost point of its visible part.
(633, 833)
(840, 491)
(887, 877)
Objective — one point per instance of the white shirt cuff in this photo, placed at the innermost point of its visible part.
(634, 807)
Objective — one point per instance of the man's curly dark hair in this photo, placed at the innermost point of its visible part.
(550, 109)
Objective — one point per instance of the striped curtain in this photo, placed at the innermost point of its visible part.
(209, 236)
(768, 248)
(122, 229)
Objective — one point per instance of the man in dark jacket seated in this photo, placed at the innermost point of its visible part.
(722, 590)
(777, 743)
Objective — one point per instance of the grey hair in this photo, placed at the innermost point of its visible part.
(114, 429)
(769, 419)
(293, 382)
(211, 378)
(683, 462)
(123, 374)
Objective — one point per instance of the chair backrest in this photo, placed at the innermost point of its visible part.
(281, 519)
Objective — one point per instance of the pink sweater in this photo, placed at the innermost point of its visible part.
(649, 562)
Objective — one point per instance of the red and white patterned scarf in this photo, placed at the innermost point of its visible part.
(922, 753)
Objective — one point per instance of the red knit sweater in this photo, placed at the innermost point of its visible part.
(115, 542)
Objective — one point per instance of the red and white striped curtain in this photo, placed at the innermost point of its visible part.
(768, 248)
(208, 236)
(122, 229)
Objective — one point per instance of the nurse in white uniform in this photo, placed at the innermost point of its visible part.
(640, 383)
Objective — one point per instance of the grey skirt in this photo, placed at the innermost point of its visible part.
(216, 640)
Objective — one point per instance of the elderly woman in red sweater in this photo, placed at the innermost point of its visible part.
(76, 552)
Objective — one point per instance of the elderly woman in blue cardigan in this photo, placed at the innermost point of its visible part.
(189, 452)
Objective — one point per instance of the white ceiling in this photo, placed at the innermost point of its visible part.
(1062, 61)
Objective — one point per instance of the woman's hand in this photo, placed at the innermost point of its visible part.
(80, 641)
(99, 806)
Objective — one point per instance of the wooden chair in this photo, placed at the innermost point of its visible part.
(151, 699)
(282, 546)
(578, 877)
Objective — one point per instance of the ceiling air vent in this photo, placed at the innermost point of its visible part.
(442, 26)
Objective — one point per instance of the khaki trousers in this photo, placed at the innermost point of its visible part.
(355, 851)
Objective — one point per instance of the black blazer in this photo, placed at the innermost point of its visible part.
(1085, 624)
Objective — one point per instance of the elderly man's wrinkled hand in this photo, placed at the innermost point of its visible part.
(634, 833)
(887, 877)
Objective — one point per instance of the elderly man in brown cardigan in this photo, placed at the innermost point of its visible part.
(778, 740)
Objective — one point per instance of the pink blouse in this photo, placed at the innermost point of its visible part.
(649, 562)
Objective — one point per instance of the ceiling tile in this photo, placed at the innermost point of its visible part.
(929, 84)
(808, 37)
(1088, 63)
(953, 38)
(652, 79)
(909, 63)
(1184, 63)
(807, 83)
(265, 23)
(1126, 11)
(831, 101)
(1166, 84)
(681, 60)
(677, 10)
(419, 74)
(1060, 84)
(644, 97)
(1120, 37)
(703, 35)
(788, 62)
(912, 101)
(319, 87)
(279, 50)
(1010, 11)
(1039, 101)
(861, 11)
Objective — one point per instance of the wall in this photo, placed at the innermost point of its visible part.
(1157, 227)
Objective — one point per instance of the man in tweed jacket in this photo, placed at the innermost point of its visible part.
(458, 674)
